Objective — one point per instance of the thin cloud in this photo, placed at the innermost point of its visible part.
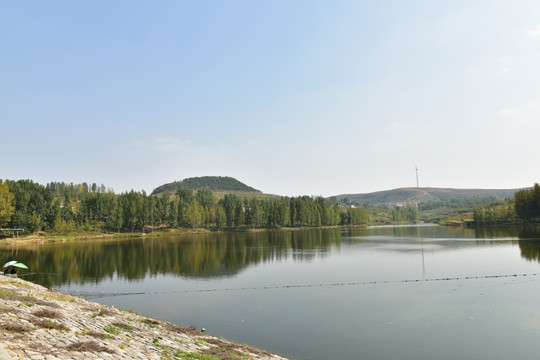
(534, 106)
(137, 143)
(535, 32)
(396, 126)
(167, 145)
(524, 115)
(510, 112)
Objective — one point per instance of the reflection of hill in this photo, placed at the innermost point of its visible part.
(435, 238)
(201, 256)
(415, 232)
(488, 232)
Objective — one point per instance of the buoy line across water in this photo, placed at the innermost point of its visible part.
(97, 295)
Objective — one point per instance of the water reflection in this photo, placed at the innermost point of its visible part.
(226, 255)
(201, 256)
(530, 244)
(263, 305)
(498, 232)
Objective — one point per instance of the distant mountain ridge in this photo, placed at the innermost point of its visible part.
(422, 195)
(224, 184)
(212, 183)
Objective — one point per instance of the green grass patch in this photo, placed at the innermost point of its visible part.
(151, 323)
(122, 326)
(194, 356)
(111, 330)
(100, 313)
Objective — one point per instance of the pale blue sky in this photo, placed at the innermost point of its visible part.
(290, 97)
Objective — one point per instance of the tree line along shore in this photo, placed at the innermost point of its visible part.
(70, 208)
(81, 209)
(524, 208)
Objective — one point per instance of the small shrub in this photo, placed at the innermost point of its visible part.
(111, 330)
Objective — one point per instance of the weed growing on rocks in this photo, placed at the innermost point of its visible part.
(51, 314)
(122, 326)
(97, 335)
(233, 347)
(150, 322)
(14, 328)
(194, 356)
(49, 324)
(189, 330)
(111, 330)
(88, 346)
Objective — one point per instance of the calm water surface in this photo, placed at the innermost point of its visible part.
(322, 294)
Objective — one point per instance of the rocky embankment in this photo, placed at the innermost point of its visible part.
(40, 323)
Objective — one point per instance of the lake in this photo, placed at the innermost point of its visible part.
(411, 292)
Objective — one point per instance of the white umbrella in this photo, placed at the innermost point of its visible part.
(9, 263)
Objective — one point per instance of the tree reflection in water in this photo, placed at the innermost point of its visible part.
(225, 255)
(200, 256)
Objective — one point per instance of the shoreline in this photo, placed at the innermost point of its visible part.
(44, 238)
(43, 324)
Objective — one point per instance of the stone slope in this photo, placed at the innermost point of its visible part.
(38, 323)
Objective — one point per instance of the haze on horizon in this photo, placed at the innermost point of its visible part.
(289, 97)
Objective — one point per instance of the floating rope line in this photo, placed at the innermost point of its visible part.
(97, 295)
(36, 273)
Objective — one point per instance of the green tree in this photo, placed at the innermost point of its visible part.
(33, 206)
(6, 204)
(195, 214)
(206, 198)
(407, 213)
(172, 214)
(162, 207)
(254, 213)
(527, 203)
(221, 218)
(129, 205)
(116, 219)
(357, 216)
(230, 203)
(186, 198)
(281, 213)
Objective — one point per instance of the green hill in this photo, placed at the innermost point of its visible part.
(422, 195)
(212, 183)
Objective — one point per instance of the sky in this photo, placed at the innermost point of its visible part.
(291, 97)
